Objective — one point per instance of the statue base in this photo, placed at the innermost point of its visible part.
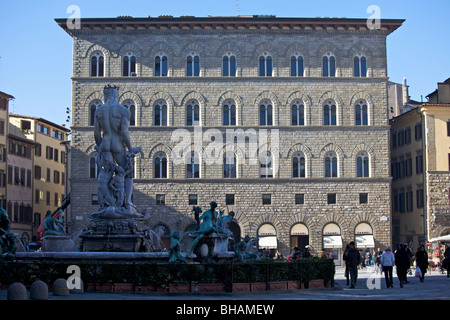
(53, 243)
(113, 230)
(111, 243)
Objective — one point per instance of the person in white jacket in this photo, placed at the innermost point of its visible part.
(387, 263)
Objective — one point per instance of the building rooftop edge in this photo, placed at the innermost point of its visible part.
(40, 119)
(130, 22)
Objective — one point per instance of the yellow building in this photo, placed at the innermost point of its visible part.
(420, 167)
(4, 107)
(49, 169)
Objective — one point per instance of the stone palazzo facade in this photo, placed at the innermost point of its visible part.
(285, 120)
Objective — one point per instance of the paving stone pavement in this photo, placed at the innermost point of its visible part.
(370, 286)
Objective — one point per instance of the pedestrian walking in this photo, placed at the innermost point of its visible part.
(402, 264)
(346, 273)
(446, 262)
(378, 261)
(387, 261)
(352, 259)
(422, 261)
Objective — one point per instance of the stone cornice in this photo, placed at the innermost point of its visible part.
(227, 24)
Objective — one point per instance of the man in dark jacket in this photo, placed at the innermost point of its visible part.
(352, 259)
(422, 261)
(402, 264)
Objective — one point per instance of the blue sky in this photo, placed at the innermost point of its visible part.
(36, 54)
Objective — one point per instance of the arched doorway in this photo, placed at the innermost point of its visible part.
(299, 236)
(364, 236)
(267, 238)
(236, 230)
(332, 242)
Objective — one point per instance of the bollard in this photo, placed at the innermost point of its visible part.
(17, 291)
(39, 291)
(60, 287)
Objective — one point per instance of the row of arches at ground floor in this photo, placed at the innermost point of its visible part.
(331, 241)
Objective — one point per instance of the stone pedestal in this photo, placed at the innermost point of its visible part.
(58, 244)
(111, 243)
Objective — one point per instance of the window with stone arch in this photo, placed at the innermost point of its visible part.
(328, 65)
(193, 166)
(265, 165)
(265, 65)
(362, 165)
(92, 108)
(229, 65)
(229, 113)
(160, 113)
(361, 113)
(298, 165)
(129, 64)
(192, 113)
(193, 65)
(161, 68)
(331, 165)
(297, 65)
(298, 113)
(160, 166)
(329, 113)
(359, 66)
(130, 105)
(265, 113)
(97, 64)
(93, 169)
(229, 165)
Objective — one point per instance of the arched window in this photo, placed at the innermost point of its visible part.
(193, 166)
(361, 118)
(298, 113)
(229, 113)
(229, 65)
(129, 65)
(160, 113)
(297, 65)
(193, 65)
(265, 65)
(229, 165)
(331, 165)
(329, 113)
(192, 113)
(360, 66)
(92, 107)
(298, 165)
(265, 113)
(265, 165)
(161, 65)
(362, 164)
(160, 166)
(97, 64)
(328, 65)
(130, 105)
(93, 173)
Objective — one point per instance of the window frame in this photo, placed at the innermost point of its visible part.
(265, 65)
(329, 68)
(297, 65)
(193, 67)
(97, 68)
(229, 65)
